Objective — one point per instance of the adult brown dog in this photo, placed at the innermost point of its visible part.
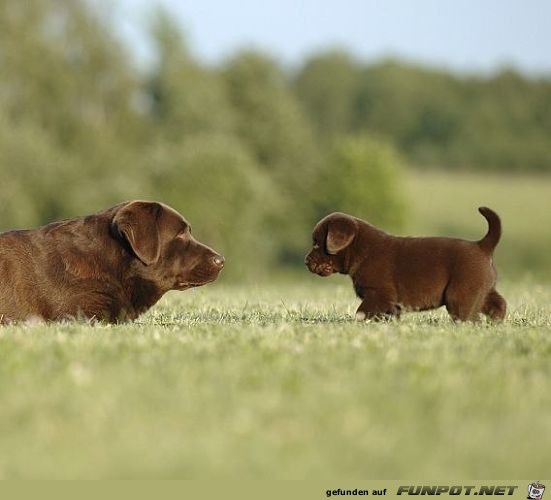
(392, 274)
(110, 266)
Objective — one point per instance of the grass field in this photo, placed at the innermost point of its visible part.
(279, 382)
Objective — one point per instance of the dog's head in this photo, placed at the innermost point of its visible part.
(331, 242)
(160, 240)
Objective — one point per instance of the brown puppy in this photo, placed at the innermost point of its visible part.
(392, 274)
(110, 266)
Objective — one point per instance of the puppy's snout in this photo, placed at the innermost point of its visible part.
(218, 261)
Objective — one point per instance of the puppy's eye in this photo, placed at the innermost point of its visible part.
(316, 246)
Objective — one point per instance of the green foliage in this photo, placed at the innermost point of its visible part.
(186, 98)
(435, 118)
(270, 121)
(417, 109)
(364, 178)
(279, 382)
(271, 124)
(326, 86)
(63, 71)
(33, 173)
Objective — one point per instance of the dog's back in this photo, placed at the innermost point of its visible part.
(41, 269)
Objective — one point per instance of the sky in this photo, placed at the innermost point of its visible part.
(461, 35)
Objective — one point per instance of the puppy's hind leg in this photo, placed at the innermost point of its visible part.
(495, 306)
(464, 303)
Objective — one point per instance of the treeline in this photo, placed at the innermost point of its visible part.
(436, 119)
(250, 152)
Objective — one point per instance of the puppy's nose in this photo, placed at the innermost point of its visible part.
(218, 261)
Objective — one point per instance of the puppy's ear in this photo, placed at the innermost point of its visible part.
(137, 223)
(341, 230)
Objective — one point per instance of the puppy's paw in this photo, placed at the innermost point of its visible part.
(360, 316)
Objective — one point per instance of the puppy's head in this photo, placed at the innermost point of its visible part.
(160, 239)
(332, 238)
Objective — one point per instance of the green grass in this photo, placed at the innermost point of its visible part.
(445, 203)
(278, 382)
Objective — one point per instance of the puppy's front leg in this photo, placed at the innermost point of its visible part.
(377, 305)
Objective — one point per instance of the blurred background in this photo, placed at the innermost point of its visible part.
(255, 119)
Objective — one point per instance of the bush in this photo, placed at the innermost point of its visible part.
(363, 178)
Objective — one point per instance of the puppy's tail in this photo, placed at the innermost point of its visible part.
(490, 241)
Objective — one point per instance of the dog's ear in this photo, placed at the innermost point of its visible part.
(341, 230)
(137, 222)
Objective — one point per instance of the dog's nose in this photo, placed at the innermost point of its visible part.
(218, 261)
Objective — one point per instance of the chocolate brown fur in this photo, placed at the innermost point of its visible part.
(110, 266)
(392, 274)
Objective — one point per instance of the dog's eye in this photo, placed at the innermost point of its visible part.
(184, 232)
(316, 246)
(183, 235)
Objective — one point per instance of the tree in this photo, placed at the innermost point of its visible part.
(64, 71)
(271, 123)
(328, 87)
(186, 97)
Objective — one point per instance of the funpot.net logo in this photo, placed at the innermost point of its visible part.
(535, 490)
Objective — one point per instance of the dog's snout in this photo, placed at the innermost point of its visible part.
(218, 261)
